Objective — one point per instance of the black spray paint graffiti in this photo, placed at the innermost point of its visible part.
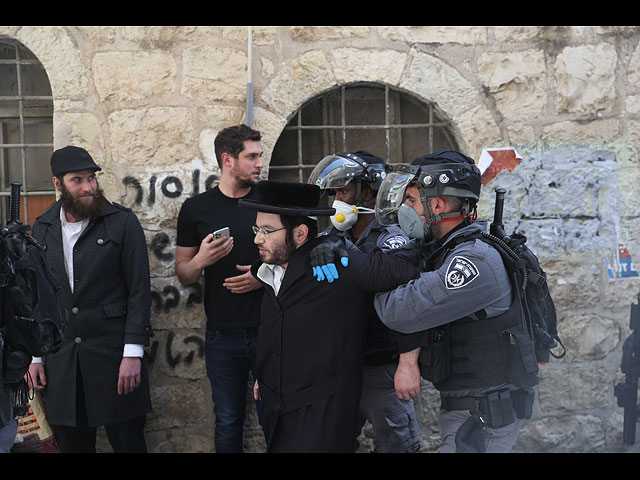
(165, 302)
(170, 297)
(173, 360)
(170, 186)
(159, 242)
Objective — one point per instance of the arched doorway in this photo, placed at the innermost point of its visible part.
(26, 131)
(378, 118)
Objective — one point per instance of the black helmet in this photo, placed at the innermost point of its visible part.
(338, 170)
(447, 172)
(441, 173)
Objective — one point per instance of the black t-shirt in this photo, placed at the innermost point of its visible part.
(204, 214)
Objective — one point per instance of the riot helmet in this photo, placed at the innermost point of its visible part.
(442, 173)
(339, 170)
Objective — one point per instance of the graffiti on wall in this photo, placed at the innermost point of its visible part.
(621, 266)
(172, 354)
(167, 299)
(170, 186)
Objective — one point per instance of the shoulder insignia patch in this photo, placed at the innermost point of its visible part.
(394, 242)
(461, 272)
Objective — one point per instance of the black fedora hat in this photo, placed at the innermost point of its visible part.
(286, 198)
(71, 159)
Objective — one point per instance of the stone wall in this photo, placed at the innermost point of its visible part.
(148, 102)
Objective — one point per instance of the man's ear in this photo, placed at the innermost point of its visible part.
(227, 159)
(56, 183)
(300, 234)
(439, 205)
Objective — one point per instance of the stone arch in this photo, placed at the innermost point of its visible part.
(27, 130)
(62, 58)
(419, 74)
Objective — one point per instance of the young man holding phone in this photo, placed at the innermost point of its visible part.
(214, 237)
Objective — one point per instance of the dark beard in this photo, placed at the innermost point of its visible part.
(78, 209)
(245, 183)
(279, 255)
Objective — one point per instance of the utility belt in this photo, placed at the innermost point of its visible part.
(496, 409)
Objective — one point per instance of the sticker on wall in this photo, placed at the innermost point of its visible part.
(493, 160)
(622, 266)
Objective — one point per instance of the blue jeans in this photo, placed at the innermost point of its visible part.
(8, 436)
(229, 357)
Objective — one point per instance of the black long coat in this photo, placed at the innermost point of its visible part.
(110, 307)
(310, 347)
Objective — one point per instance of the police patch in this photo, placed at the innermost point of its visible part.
(461, 272)
(394, 242)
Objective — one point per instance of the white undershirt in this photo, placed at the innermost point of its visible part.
(71, 231)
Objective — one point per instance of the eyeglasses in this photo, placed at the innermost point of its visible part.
(265, 233)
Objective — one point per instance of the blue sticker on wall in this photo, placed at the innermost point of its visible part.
(622, 266)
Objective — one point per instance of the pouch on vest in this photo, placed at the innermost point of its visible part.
(434, 360)
(520, 356)
(523, 402)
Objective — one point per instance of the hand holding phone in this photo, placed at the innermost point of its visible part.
(223, 232)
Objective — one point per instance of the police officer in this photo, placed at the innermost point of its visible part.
(459, 321)
(354, 179)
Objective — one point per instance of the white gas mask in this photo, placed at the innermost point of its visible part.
(346, 215)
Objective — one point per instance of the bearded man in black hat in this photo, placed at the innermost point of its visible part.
(311, 336)
(98, 252)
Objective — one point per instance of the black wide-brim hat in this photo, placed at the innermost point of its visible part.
(286, 198)
(71, 159)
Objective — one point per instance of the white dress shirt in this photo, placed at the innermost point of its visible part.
(271, 275)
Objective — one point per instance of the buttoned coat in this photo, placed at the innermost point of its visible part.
(310, 348)
(109, 307)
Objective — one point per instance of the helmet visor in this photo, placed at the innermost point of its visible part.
(391, 196)
(334, 172)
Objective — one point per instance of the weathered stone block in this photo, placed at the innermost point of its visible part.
(586, 76)
(134, 77)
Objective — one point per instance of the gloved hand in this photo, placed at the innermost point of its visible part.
(323, 257)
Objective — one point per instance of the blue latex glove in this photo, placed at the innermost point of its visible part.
(323, 259)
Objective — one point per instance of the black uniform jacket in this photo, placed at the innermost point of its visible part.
(110, 307)
(310, 347)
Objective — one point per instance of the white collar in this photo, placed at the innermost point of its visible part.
(271, 275)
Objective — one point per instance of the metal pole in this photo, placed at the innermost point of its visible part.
(249, 79)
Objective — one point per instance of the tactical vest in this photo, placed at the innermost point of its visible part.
(479, 353)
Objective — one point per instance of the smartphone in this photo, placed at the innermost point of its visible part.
(223, 232)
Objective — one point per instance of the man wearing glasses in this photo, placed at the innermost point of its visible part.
(214, 236)
(311, 337)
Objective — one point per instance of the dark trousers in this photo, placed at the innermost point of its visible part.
(125, 437)
(230, 357)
